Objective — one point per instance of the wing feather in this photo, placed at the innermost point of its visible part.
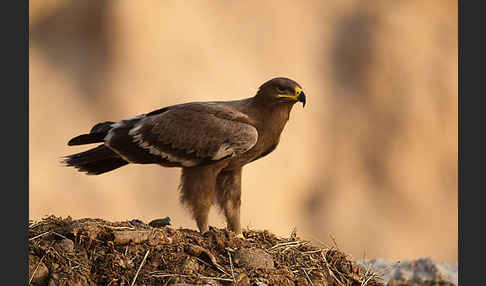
(192, 134)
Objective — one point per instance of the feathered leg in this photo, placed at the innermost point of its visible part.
(198, 193)
(228, 189)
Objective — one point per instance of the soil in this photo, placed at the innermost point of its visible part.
(63, 251)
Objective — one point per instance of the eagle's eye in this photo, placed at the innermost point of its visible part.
(281, 89)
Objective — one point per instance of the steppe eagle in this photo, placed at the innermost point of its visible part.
(210, 141)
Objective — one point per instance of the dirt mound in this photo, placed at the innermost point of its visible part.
(98, 252)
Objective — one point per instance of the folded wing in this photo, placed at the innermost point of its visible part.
(192, 134)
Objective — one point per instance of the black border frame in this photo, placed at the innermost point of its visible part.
(15, 141)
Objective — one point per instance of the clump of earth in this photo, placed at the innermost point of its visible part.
(63, 251)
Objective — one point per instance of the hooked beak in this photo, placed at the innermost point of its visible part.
(301, 97)
(298, 95)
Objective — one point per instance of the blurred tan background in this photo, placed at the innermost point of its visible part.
(370, 161)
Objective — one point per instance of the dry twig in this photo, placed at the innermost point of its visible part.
(35, 270)
(140, 267)
(308, 278)
(231, 264)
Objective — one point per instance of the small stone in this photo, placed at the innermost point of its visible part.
(66, 245)
(253, 258)
(161, 222)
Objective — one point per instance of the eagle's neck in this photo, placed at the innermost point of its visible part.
(272, 117)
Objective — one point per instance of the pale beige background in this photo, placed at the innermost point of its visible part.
(371, 160)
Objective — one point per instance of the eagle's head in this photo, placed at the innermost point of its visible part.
(281, 90)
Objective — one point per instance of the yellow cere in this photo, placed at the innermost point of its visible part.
(298, 90)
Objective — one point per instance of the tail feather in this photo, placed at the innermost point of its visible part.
(95, 161)
(96, 135)
(86, 139)
(103, 166)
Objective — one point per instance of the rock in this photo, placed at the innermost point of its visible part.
(253, 258)
(161, 222)
(66, 245)
(121, 237)
(422, 271)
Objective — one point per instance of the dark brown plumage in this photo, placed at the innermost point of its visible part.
(210, 141)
